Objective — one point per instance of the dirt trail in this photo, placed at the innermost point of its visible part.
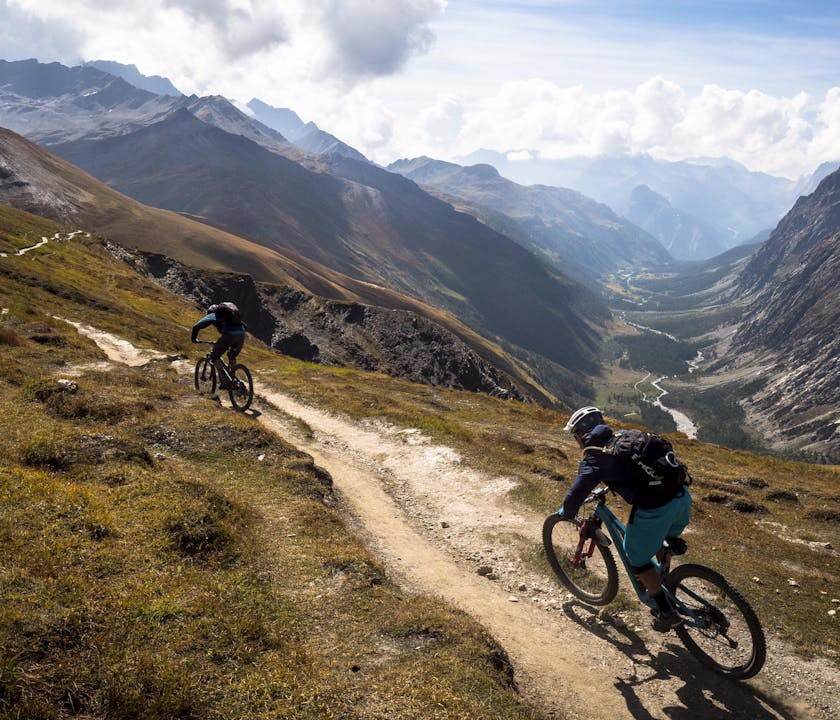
(433, 521)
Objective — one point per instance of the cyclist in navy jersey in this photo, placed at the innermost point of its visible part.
(226, 318)
(647, 527)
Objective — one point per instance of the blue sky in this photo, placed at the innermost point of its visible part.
(755, 81)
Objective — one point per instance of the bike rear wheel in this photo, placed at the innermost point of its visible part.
(241, 388)
(205, 376)
(593, 579)
(727, 635)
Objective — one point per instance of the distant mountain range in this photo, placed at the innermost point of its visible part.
(306, 136)
(569, 230)
(514, 270)
(684, 236)
(153, 83)
(731, 201)
(342, 213)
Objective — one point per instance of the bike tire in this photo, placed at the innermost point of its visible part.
(205, 376)
(241, 388)
(723, 608)
(597, 582)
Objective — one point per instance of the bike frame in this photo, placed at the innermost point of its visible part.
(617, 530)
(231, 358)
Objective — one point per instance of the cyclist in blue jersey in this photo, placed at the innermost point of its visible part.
(647, 527)
(228, 321)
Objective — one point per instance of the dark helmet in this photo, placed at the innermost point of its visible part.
(583, 421)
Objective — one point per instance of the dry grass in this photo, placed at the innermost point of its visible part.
(153, 566)
(754, 516)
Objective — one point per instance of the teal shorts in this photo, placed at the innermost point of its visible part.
(649, 528)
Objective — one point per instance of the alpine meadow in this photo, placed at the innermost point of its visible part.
(446, 227)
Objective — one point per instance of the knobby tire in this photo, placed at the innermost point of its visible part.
(241, 389)
(205, 376)
(597, 582)
(719, 600)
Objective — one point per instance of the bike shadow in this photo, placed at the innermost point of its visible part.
(702, 694)
(251, 412)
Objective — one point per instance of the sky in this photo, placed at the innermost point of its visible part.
(755, 81)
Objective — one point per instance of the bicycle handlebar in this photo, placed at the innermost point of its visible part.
(598, 494)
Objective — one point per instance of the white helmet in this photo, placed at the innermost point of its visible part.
(584, 420)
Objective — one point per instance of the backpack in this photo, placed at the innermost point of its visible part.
(228, 313)
(652, 462)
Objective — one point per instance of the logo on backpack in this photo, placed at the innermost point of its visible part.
(651, 460)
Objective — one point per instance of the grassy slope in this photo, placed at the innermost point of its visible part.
(735, 526)
(117, 217)
(203, 585)
(152, 566)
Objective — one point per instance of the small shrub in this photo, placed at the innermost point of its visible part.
(748, 508)
(205, 524)
(198, 536)
(825, 515)
(45, 453)
(756, 483)
(9, 337)
(48, 339)
(717, 498)
(783, 496)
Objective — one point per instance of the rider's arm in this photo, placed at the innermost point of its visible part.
(201, 324)
(586, 481)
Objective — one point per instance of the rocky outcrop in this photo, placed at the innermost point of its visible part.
(399, 343)
(792, 301)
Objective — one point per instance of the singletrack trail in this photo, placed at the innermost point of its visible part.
(434, 522)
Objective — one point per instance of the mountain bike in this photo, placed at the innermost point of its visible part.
(719, 627)
(236, 379)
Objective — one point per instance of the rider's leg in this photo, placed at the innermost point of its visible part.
(646, 531)
(219, 348)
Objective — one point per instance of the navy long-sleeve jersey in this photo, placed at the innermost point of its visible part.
(220, 323)
(595, 468)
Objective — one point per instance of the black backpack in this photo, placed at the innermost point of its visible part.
(228, 313)
(652, 462)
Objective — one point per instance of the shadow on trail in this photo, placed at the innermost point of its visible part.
(703, 694)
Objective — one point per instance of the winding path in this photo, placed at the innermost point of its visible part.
(430, 519)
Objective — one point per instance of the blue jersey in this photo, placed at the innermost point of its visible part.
(598, 467)
(221, 324)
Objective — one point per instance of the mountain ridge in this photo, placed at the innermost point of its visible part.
(563, 226)
(33, 179)
(358, 219)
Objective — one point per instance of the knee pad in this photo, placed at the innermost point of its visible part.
(638, 569)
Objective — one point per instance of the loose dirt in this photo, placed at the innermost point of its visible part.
(434, 522)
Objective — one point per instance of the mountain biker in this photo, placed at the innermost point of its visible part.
(227, 319)
(647, 527)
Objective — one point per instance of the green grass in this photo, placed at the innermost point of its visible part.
(153, 566)
(526, 442)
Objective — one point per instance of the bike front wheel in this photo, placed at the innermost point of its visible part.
(593, 579)
(719, 628)
(205, 376)
(241, 388)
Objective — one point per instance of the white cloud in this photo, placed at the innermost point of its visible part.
(787, 136)
(23, 36)
(369, 38)
(399, 78)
